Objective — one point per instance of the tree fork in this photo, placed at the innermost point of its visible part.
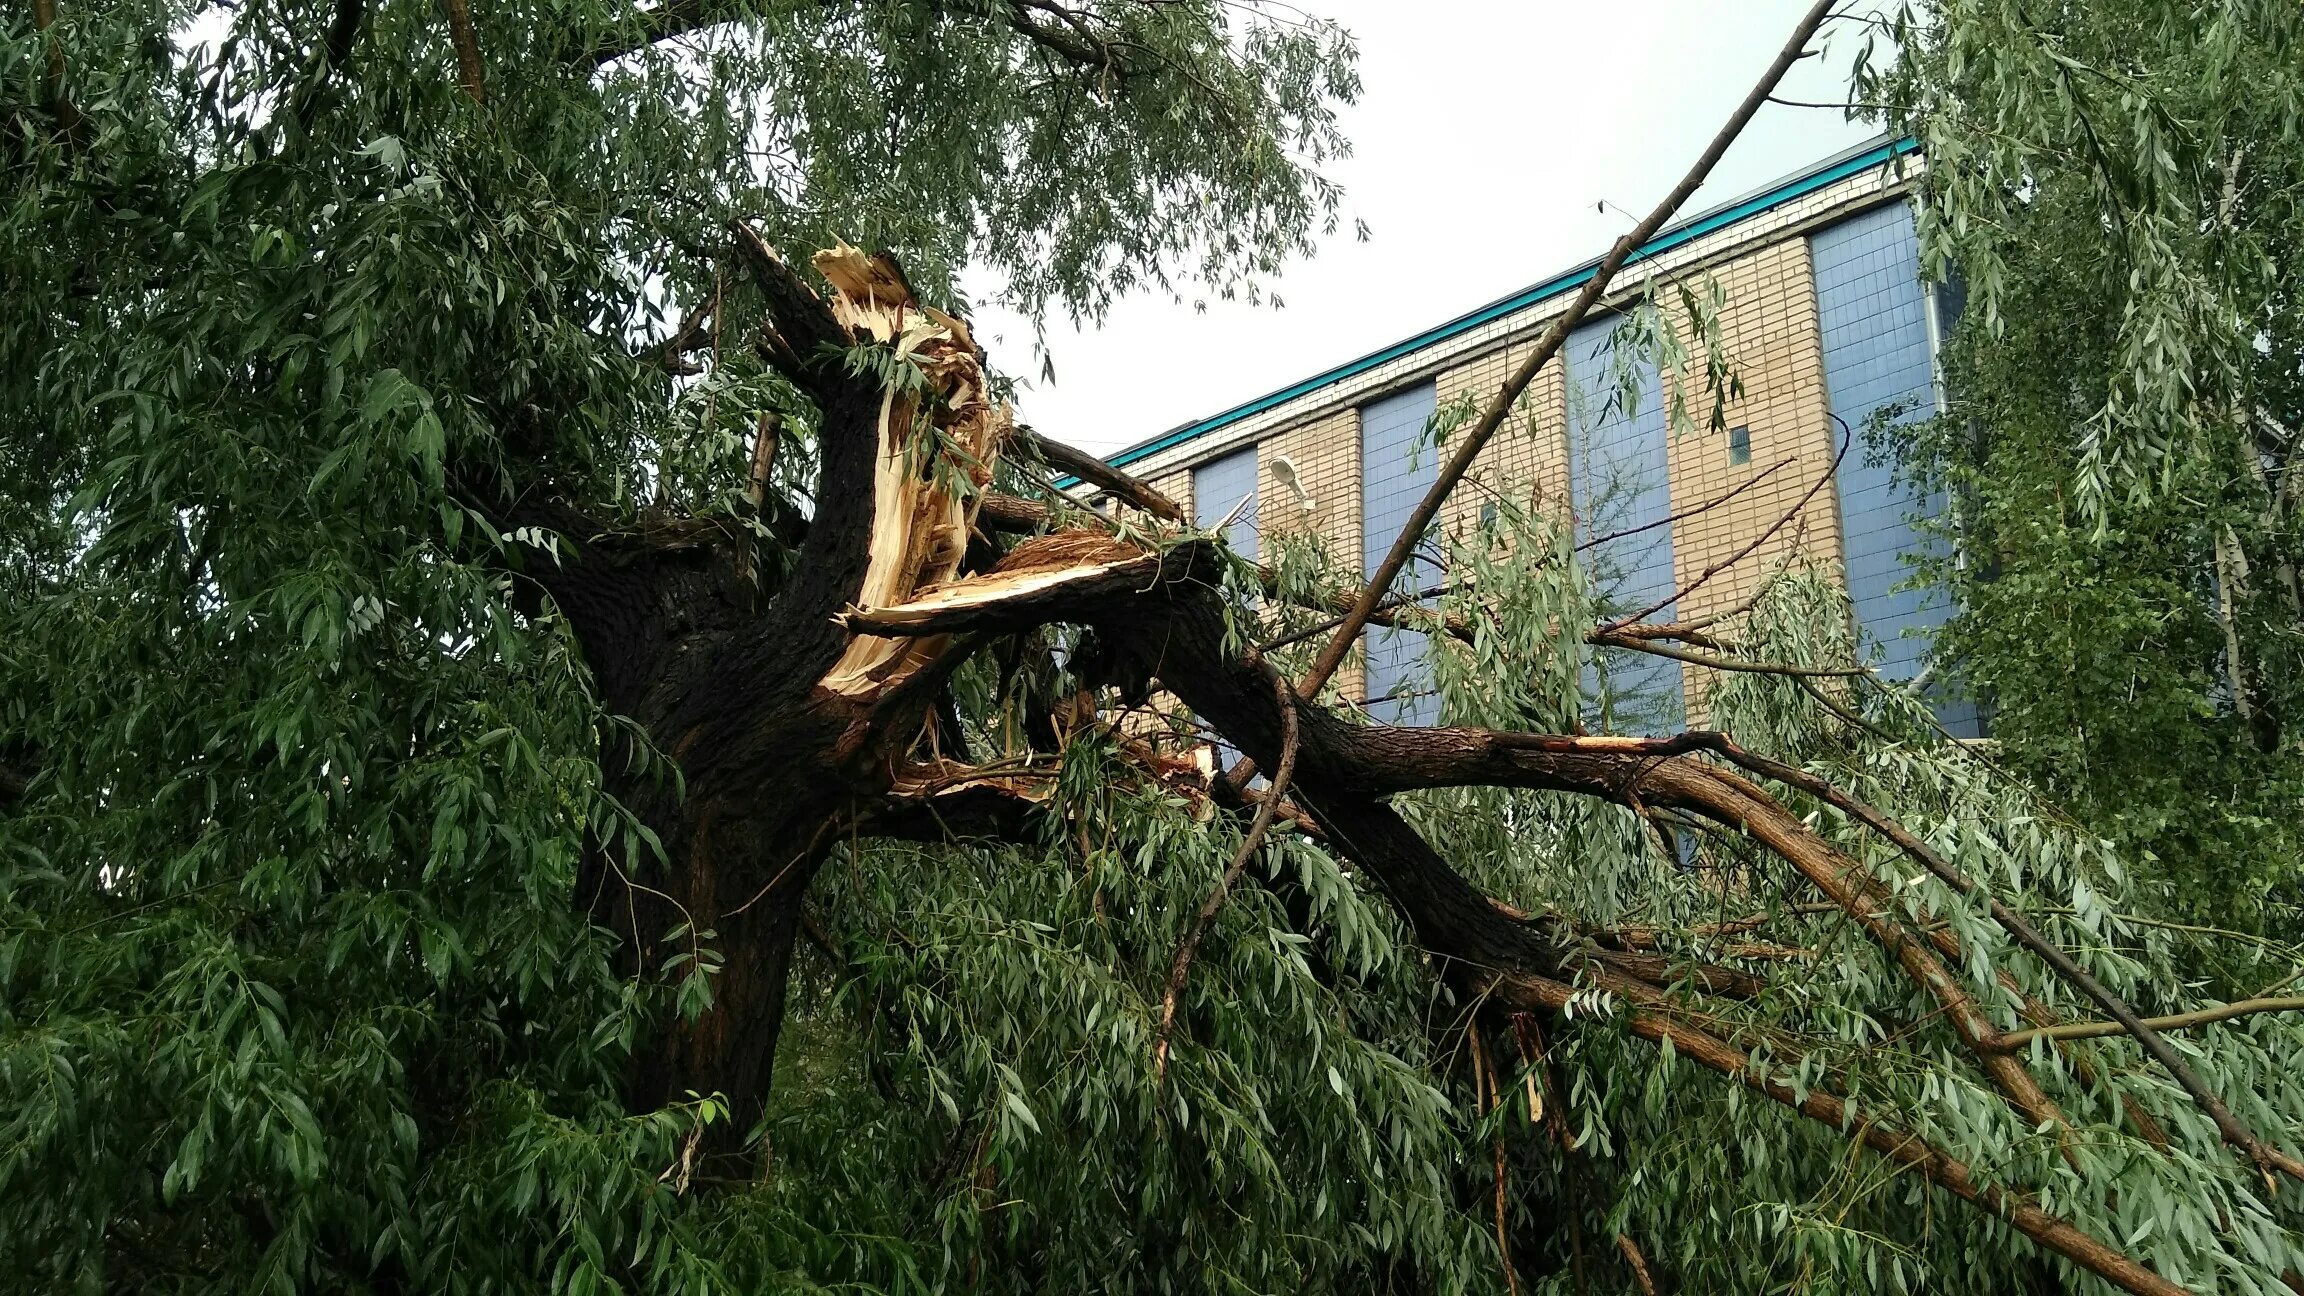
(788, 725)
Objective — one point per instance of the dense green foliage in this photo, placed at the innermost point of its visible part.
(296, 988)
(2121, 186)
(298, 773)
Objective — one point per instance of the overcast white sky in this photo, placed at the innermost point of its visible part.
(1486, 133)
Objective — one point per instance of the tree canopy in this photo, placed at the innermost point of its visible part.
(549, 745)
(2121, 189)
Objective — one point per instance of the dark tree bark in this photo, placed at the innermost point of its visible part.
(731, 686)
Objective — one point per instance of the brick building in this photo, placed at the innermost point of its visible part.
(1823, 313)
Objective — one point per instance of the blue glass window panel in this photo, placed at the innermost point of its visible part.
(1221, 485)
(1618, 473)
(1872, 312)
(1397, 466)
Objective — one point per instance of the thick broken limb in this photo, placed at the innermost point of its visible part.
(1344, 766)
(1129, 490)
(1164, 608)
(468, 74)
(1066, 576)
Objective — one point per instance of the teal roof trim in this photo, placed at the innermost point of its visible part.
(1796, 187)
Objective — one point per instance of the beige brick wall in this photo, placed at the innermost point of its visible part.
(1176, 485)
(1768, 330)
(1528, 459)
(1788, 220)
(1326, 453)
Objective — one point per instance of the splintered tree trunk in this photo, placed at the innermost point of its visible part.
(803, 718)
(788, 731)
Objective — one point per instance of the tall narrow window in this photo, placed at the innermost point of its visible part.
(1618, 464)
(1226, 488)
(1397, 466)
(1873, 312)
(1739, 445)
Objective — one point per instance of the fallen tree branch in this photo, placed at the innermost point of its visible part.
(2266, 1157)
(1460, 462)
(1904, 1149)
(1353, 763)
(1130, 490)
(2175, 1021)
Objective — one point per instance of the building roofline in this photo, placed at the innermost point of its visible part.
(1837, 167)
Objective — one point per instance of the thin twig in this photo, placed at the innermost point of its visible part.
(1602, 638)
(1847, 438)
(1377, 617)
(1189, 949)
(2176, 1021)
(1692, 511)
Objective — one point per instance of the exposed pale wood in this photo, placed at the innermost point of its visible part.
(921, 514)
(998, 599)
(1047, 578)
